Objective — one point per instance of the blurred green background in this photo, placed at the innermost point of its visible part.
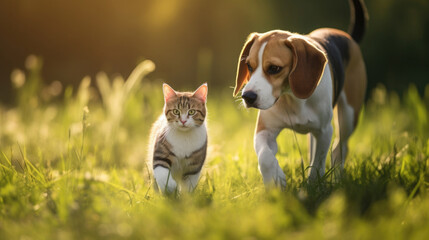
(194, 41)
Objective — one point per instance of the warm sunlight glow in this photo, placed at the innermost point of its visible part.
(164, 12)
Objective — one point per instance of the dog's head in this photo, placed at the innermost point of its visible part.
(275, 61)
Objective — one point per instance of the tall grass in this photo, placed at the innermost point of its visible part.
(72, 165)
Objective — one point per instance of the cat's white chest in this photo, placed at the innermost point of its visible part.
(185, 143)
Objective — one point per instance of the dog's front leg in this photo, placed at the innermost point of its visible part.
(266, 149)
(322, 139)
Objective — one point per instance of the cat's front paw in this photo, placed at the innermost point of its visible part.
(164, 181)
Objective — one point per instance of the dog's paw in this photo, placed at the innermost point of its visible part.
(277, 181)
(281, 183)
(281, 180)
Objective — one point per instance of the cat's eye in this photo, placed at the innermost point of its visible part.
(176, 112)
(191, 112)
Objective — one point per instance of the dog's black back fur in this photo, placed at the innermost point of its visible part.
(337, 51)
(336, 46)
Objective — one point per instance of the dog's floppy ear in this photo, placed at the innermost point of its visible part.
(307, 69)
(242, 71)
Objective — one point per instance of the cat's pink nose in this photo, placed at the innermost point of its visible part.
(183, 122)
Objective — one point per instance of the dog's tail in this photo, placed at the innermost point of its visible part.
(358, 19)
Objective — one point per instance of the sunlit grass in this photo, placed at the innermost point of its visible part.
(72, 166)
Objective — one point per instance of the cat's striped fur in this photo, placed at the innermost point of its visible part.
(178, 142)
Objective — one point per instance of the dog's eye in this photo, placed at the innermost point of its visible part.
(249, 67)
(273, 69)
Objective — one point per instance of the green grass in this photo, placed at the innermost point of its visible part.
(72, 166)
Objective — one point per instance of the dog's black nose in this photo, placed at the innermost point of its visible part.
(249, 97)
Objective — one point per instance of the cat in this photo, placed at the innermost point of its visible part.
(178, 140)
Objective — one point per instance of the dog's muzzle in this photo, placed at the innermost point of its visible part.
(249, 97)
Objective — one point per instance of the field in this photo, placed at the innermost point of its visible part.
(72, 166)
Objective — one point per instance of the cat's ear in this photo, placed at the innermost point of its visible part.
(201, 92)
(168, 92)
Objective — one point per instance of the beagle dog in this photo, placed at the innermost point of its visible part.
(297, 81)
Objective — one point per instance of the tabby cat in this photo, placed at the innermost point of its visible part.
(178, 141)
